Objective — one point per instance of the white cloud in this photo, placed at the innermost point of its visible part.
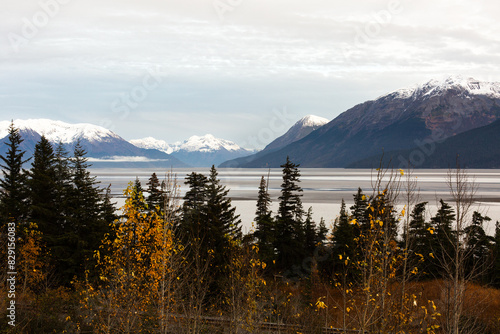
(313, 57)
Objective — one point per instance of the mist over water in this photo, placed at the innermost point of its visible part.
(324, 188)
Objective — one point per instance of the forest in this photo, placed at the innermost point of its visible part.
(168, 262)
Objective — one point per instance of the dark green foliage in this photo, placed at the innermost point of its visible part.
(310, 236)
(193, 207)
(419, 246)
(359, 213)
(494, 272)
(44, 193)
(443, 239)
(209, 220)
(321, 232)
(220, 213)
(155, 195)
(264, 232)
(344, 238)
(477, 247)
(86, 219)
(289, 242)
(137, 193)
(13, 192)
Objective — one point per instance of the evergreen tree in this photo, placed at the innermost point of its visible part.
(289, 241)
(44, 192)
(108, 208)
(193, 208)
(477, 246)
(85, 227)
(13, 192)
(442, 238)
(155, 196)
(264, 232)
(343, 239)
(418, 243)
(359, 212)
(222, 226)
(321, 232)
(64, 185)
(310, 236)
(137, 194)
(495, 258)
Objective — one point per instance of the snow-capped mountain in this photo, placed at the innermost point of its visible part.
(57, 131)
(104, 147)
(197, 151)
(153, 143)
(415, 119)
(299, 130)
(457, 83)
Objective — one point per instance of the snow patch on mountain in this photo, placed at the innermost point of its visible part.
(206, 143)
(312, 121)
(58, 131)
(468, 86)
(153, 143)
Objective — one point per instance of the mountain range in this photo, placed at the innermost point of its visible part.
(299, 130)
(196, 151)
(402, 122)
(428, 125)
(104, 147)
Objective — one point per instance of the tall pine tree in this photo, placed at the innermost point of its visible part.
(13, 192)
(442, 239)
(264, 232)
(289, 241)
(44, 192)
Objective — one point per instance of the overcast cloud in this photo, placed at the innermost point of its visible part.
(172, 69)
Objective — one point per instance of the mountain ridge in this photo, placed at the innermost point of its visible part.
(197, 151)
(299, 130)
(102, 145)
(394, 121)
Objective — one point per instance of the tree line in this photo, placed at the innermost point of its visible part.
(167, 263)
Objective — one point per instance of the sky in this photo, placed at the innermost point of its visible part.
(242, 70)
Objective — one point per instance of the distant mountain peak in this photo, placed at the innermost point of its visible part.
(467, 85)
(312, 120)
(153, 143)
(208, 143)
(58, 131)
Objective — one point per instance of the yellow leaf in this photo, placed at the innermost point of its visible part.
(431, 255)
(431, 230)
(402, 172)
(340, 257)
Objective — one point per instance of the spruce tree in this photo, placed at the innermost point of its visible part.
(494, 272)
(442, 239)
(418, 240)
(359, 212)
(63, 184)
(477, 247)
(155, 196)
(223, 227)
(264, 232)
(310, 236)
(85, 224)
(343, 239)
(193, 208)
(13, 192)
(289, 241)
(44, 192)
